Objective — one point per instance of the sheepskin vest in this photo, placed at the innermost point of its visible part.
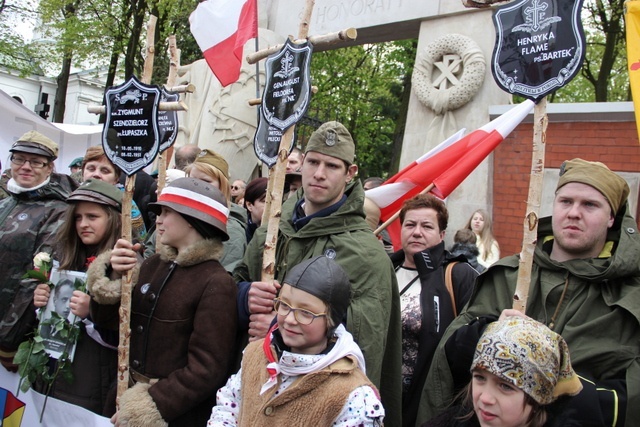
(313, 399)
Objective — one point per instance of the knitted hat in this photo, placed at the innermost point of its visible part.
(324, 278)
(332, 139)
(36, 143)
(76, 163)
(612, 186)
(97, 191)
(197, 199)
(214, 159)
(528, 355)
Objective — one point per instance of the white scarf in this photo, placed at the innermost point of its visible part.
(14, 188)
(344, 346)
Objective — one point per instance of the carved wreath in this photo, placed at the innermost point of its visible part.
(448, 73)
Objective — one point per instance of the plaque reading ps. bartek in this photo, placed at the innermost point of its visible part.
(131, 136)
(540, 46)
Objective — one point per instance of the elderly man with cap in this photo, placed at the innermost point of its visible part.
(326, 217)
(29, 219)
(585, 285)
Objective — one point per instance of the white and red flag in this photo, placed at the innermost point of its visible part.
(221, 28)
(446, 166)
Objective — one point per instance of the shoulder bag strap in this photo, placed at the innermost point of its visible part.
(449, 284)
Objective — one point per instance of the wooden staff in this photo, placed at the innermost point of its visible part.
(125, 299)
(174, 63)
(530, 235)
(276, 178)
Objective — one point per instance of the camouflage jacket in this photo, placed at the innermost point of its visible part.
(28, 224)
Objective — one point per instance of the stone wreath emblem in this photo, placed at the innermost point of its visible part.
(448, 73)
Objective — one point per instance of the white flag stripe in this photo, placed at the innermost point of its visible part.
(214, 21)
(508, 121)
(197, 197)
(444, 144)
(386, 194)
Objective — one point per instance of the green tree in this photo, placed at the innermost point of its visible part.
(604, 75)
(362, 87)
(15, 52)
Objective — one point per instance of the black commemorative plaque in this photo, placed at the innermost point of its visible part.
(540, 46)
(131, 136)
(266, 141)
(167, 121)
(288, 85)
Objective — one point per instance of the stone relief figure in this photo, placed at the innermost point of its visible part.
(220, 118)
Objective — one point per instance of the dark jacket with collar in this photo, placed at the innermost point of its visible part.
(28, 225)
(431, 264)
(183, 332)
(599, 317)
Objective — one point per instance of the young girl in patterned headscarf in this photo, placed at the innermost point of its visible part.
(519, 367)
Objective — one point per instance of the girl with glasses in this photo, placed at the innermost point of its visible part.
(308, 370)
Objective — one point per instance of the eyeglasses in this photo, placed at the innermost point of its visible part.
(235, 187)
(302, 316)
(36, 164)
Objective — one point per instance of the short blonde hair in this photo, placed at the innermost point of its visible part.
(214, 173)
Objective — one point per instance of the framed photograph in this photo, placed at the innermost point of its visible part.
(59, 303)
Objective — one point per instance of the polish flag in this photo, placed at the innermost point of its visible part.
(221, 28)
(446, 166)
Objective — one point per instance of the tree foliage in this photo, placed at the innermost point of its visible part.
(604, 75)
(362, 87)
(15, 51)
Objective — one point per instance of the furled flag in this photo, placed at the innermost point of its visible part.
(446, 166)
(221, 28)
(632, 20)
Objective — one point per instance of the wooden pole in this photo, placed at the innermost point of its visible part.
(125, 299)
(530, 235)
(174, 63)
(349, 34)
(276, 179)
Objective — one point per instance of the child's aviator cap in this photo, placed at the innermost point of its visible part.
(323, 278)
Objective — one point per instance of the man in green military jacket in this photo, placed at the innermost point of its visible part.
(585, 285)
(326, 217)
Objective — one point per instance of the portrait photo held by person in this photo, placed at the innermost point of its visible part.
(92, 226)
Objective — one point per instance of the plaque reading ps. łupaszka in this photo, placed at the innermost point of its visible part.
(540, 46)
(168, 121)
(131, 136)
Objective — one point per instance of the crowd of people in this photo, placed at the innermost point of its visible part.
(346, 334)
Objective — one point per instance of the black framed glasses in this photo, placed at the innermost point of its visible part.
(36, 164)
(302, 316)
